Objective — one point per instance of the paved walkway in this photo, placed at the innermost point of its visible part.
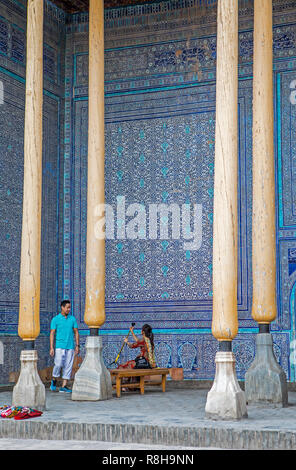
(37, 444)
(175, 418)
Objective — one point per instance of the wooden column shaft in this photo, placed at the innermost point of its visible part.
(225, 323)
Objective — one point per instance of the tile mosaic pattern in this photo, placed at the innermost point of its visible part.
(12, 78)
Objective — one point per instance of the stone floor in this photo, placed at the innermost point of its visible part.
(173, 419)
(40, 444)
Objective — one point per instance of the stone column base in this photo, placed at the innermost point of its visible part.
(29, 389)
(265, 381)
(225, 400)
(92, 380)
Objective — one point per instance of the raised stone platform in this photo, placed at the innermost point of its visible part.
(174, 418)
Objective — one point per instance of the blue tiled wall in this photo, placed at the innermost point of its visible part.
(12, 77)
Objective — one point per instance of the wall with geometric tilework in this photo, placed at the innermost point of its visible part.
(160, 63)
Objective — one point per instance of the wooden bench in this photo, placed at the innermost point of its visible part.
(143, 374)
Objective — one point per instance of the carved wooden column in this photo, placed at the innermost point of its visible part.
(29, 390)
(92, 381)
(226, 400)
(265, 380)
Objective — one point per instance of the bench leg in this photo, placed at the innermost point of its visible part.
(118, 386)
(163, 379)
(142, 384)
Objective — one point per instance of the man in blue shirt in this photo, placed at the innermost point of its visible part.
(64, 327)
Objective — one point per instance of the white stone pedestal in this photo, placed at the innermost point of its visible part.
(29, 389)
(225, 400)
(92, 380)
(265, 381)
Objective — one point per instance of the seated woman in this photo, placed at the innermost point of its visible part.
(147, 347)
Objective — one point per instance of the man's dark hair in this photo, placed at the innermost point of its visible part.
(65, 302)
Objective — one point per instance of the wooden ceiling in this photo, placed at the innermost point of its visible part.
(74, 6)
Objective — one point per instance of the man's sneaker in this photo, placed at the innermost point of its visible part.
(53, 386)
(65, 390)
